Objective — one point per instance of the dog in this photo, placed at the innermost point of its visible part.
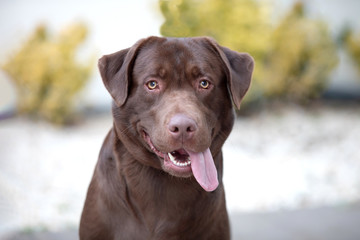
(159, 171)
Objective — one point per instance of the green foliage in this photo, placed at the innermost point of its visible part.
(293, 58)
(352, 45)
(46, 74)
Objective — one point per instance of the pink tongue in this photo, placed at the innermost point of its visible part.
(204, 170)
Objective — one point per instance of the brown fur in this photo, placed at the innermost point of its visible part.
(132, 194)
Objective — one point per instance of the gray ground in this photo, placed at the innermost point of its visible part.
(330, 223)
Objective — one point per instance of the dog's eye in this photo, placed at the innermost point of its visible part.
(204, 84)
(152, 85)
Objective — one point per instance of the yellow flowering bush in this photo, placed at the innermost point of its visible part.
(47, 75)
(300, 59)
(352, 45)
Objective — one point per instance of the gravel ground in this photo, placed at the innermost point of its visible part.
(282, 166)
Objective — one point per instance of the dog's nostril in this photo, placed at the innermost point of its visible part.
(190, 129)
(176, 129)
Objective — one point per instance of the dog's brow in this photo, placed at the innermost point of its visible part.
(156, 72)
(161, 72)
(197, 72)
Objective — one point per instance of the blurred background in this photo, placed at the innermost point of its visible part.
(292, 162)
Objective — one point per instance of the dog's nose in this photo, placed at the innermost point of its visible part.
(181, 126)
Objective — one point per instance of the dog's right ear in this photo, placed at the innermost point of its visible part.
(239, 69)
(116, 70)
(114, 73)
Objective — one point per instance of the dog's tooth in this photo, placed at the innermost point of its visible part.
(171, 157)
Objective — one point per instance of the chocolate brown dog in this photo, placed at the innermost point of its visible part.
(159, 173)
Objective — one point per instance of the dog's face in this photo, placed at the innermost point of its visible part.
(173, 99)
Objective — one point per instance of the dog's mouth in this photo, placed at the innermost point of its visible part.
(185, 163)
(179, 158)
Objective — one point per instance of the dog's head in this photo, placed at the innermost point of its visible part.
(172, 102)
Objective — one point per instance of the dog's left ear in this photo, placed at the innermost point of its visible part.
(116, 69)
(239, 68)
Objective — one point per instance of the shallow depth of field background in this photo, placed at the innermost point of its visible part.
(292, 162)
